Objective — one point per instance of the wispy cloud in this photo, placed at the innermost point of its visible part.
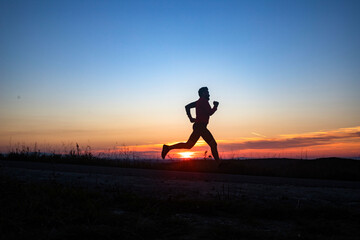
(299, 140)
(258, 134)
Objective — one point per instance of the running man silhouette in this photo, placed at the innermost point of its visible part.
(203, 113)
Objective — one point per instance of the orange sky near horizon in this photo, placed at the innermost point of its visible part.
(343, 142)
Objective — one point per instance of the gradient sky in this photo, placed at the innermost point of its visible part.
(114, 73)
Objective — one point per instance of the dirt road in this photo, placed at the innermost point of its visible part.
(173, 184)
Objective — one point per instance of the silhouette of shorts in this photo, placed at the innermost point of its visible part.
(200, 130)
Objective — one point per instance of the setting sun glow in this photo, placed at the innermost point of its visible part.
(186, 155)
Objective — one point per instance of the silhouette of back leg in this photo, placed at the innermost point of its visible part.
(194, 137)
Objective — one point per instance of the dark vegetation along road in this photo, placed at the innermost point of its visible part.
(66, 201)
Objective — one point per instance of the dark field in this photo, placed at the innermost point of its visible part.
(61, 201)
(54, 211)
(322, 168)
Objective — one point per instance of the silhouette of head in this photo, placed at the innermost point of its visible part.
(204, 92)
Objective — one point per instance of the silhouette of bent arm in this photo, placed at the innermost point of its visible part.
(188, 113)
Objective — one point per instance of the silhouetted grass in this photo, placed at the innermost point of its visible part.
(324, 168)
(54, 211)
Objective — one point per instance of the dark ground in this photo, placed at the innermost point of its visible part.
(62, 201)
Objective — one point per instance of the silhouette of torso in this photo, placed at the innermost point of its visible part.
(203, 110)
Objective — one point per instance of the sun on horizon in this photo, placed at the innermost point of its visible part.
(186, 155)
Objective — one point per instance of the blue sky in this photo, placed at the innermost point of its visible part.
(129, 67)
